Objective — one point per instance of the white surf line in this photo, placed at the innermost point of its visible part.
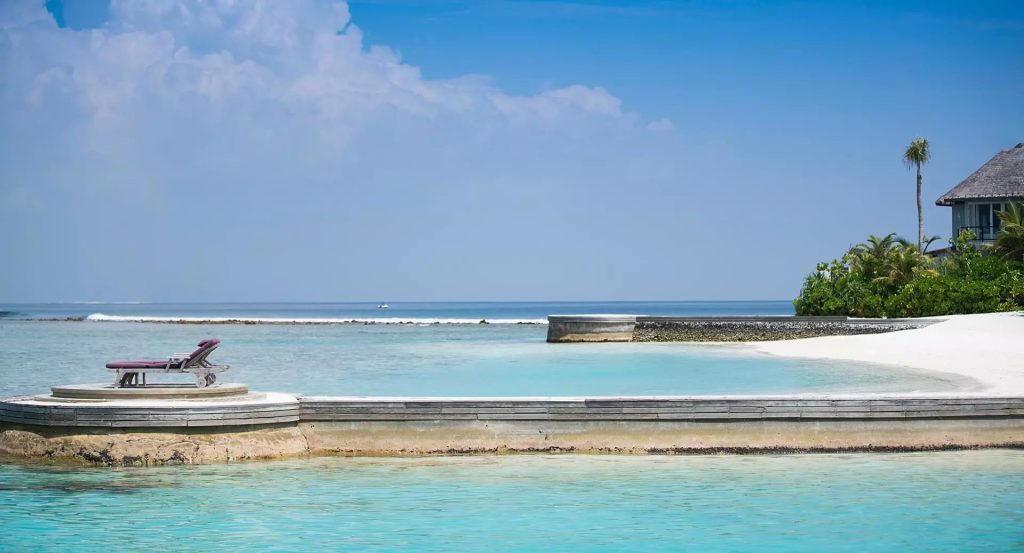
(101, 317)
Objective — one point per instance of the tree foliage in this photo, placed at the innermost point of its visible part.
(917, 153)
(1010, 240)
(888, 277)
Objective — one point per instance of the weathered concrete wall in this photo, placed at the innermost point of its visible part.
(145, 447)
(627, 409)
(429, 426)
(251, 410)
(590, 328)
(150, 391)
(640, 328)
(439, 437)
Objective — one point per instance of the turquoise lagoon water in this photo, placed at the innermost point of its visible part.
(928, 502)
(426, 360)
(949, 501)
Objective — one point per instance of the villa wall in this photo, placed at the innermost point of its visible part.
(957, 219)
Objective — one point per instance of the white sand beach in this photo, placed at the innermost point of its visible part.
(988, 348)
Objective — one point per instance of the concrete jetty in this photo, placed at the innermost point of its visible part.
(263, 425)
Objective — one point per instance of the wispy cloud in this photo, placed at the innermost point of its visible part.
(299, 134)
(191, 55)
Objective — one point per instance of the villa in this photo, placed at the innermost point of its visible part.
(977, 199)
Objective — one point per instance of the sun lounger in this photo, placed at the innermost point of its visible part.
(193, 363)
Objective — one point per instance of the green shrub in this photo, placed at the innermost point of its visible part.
(942, 295)
(886, 277)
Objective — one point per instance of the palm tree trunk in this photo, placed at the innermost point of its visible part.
(920, 216)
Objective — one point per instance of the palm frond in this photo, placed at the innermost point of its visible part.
(1009, 242)
(917, 153)
(929, 240)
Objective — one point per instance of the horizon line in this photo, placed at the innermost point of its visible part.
(370, 302)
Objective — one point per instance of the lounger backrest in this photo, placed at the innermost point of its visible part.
(201, 360)
(205, 348)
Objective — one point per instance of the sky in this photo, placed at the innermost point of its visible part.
(177, 150)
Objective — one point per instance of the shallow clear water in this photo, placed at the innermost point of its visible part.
(934, 502)
(436, 360)
(950, 501)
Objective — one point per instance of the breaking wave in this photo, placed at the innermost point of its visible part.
(423, 321)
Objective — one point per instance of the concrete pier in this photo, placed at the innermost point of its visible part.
(273, 425)
(151, 391)
(591, 328)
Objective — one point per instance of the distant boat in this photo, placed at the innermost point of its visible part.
(383, 306)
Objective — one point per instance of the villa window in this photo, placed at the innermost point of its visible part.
(986, 221)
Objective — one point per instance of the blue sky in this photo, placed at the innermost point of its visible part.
(176, 151)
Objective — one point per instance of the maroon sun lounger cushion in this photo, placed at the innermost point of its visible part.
(204, 346)
(139, 364)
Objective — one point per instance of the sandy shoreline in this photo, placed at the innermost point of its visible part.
(988, 348)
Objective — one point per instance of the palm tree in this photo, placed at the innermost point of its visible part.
(1010, 239)
(917, 154)
(902, 264)
(868, 258)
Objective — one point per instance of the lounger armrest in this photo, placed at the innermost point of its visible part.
(178, 356)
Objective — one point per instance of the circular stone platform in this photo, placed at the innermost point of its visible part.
(152, 391)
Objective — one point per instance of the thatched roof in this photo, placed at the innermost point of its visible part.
(1002, 177)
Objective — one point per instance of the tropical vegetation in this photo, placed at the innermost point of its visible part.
(1009, 243)
(887, 276)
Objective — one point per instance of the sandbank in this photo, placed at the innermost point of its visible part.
(987, 348)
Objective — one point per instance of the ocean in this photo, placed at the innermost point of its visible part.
(865, 502)
(408, 312)
(458, 357)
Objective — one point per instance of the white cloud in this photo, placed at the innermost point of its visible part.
(188, 54)
(282, 120)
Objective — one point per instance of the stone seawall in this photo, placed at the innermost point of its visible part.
(154, 433)
(640, 328)
(758, 329)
